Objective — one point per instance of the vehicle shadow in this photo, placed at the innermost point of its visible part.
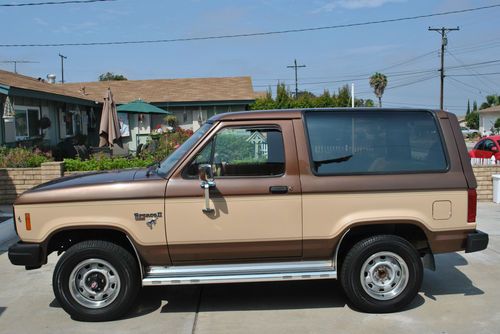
(2, 310)
(240, 297)
(447, 279)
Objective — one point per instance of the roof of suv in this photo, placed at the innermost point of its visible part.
(293, 113)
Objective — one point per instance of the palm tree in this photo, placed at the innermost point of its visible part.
(378, 82)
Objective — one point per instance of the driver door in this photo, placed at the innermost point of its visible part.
(256, 201)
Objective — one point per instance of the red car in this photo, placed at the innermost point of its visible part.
(486, 147)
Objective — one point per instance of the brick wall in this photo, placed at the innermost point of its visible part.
(15, 181)
(485, 181)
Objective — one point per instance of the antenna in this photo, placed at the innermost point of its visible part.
(62, 66)
(15, 62)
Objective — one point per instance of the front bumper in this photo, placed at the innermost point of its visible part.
(24, 254)
(476, 241)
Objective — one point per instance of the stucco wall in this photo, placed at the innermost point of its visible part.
(487, 121)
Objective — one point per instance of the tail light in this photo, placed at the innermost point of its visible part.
(471, 205)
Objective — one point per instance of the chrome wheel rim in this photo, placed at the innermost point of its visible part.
(94, 283)
(384, 275)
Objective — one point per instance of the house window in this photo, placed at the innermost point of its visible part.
(69, 121)
(27, 119)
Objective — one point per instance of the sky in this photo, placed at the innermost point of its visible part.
(333, 57)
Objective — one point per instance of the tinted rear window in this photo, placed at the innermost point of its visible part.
(374, 142)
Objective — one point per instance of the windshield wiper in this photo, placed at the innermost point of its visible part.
(319, 163)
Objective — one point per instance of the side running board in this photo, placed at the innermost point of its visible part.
(238, 273)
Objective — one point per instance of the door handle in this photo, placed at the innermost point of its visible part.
(278, 189)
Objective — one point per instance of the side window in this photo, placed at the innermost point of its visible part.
(240, 152)
(377, 142)
(488, 144)
(479, 146)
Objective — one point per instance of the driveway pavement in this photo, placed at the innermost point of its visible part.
(462, 296)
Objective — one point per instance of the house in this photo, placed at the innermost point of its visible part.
(74, 108)
(191, 100)
(70, 114)
(487, 119)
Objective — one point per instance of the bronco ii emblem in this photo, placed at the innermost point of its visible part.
(151, 217)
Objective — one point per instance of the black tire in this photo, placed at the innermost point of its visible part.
(127, 280)
(373, 253)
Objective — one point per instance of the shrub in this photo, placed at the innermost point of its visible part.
(22, 158)
(105, 163)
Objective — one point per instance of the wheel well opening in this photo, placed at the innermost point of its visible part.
(63, 240)
(410, 232)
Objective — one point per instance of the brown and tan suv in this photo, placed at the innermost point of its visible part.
(363, 195)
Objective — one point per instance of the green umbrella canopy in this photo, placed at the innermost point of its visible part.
(139, 106)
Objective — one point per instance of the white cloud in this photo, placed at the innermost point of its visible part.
(354, 4)
(41, 21)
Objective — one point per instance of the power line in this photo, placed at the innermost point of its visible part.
(413, 82)
(474, 64)
(266, 33)
(473, 75)
(26, 4)
(408, 61)
(473, 87)
(473, 71)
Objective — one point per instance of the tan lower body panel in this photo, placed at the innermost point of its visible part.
(241, 227)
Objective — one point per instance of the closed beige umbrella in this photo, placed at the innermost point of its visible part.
(109, 130)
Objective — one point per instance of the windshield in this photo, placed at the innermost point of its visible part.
(167, 164)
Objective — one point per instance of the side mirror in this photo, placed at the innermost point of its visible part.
(205, 173)
(207, 181)
(494, 149)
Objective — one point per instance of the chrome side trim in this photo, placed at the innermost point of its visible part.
(335, 257)
(141, 268)
(234, 273)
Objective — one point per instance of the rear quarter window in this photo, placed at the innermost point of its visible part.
(374, 142)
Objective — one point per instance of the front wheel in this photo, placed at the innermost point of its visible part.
(96, 280)
(382, 273)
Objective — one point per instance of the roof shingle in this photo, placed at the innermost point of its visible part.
(170, 90)
(158, 90)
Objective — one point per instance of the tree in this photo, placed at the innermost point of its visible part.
(474, 106)
(110, 76)
(378, 82)
(472, 120)
(285, 99)
(497, 125)
(491, 101)
(468, 108)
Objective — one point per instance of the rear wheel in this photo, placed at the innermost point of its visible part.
(96, 280)
(382, 273)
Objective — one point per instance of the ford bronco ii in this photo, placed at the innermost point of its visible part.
(366, 196)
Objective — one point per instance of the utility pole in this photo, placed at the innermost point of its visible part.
(15, 62)
(295, 66)
(62, 66)
(352, 95)
(444, 41)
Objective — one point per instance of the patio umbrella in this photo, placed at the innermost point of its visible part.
(109, 130)
(139, 106)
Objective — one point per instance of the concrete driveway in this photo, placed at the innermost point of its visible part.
(462, 296)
